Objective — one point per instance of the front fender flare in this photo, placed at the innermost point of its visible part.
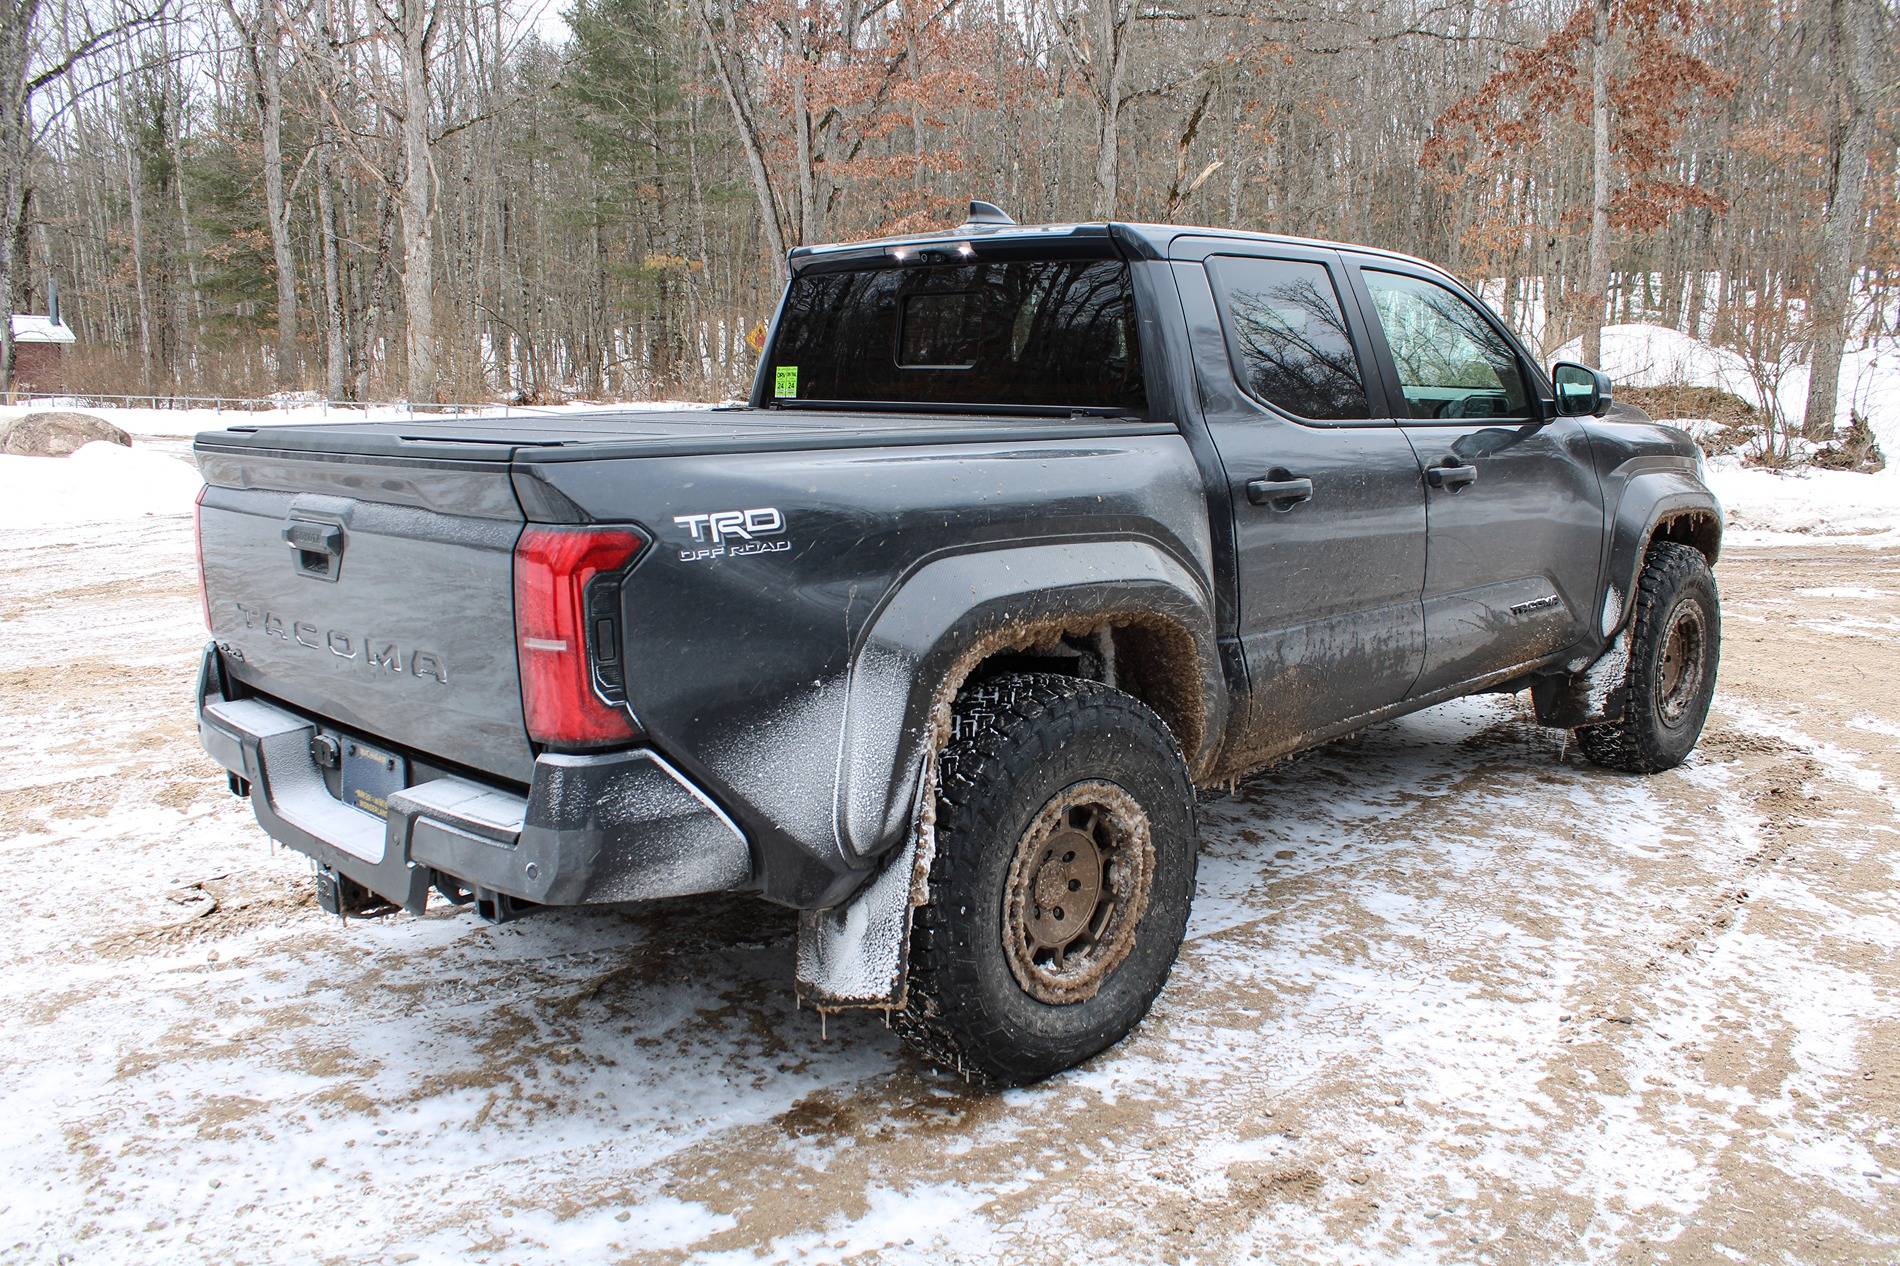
(1653, 496)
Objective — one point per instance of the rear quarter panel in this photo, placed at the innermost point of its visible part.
(789, 678)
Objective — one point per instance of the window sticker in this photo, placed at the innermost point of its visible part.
(787, 384)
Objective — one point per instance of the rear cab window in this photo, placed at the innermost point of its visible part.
(1036, 334)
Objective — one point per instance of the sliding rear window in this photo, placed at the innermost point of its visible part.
(1016, 333)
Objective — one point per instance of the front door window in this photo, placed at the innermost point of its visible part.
(1452, 364)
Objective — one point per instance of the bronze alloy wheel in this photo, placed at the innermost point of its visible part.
(1077, 888)
(1680, 670)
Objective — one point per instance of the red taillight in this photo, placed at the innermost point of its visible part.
(198, 539)
(553, 566)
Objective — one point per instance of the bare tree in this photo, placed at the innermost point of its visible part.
(261, 30)
(411, 26)
(31, 62)
(1856, 29)
(1596, 286)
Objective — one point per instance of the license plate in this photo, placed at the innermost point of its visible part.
(371, 776)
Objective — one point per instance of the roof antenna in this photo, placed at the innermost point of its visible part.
(987, 213)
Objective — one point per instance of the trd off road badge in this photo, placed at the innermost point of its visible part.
(732, 533)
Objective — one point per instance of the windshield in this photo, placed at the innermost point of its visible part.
(1042, 334)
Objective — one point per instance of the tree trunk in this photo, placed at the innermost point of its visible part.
(415, 202)
(136, 206)
(377, 301)
(1111, 52)
(262, 50)
(192, 301)
(1597, 282)
(16, 143)
(336, 354)
(271, 109)
(749, 140)
(1852, 28)
(806, 230)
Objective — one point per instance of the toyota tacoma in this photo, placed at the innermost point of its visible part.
(1025, 534)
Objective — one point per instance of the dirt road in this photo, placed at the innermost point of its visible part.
(1450, 995)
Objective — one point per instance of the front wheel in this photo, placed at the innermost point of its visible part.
(1060, 886)
(1675, 645)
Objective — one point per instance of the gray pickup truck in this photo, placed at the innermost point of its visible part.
(1025, 534)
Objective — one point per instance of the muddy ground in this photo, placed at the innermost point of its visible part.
(1450, 995)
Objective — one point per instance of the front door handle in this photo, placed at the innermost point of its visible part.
(1281, 489)
(1450, 477)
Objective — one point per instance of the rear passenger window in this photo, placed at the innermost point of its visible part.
(1287, 336)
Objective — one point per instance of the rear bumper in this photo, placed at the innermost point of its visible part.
(621, 826)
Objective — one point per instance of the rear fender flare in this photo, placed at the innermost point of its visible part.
(952, 613)
(937, 627)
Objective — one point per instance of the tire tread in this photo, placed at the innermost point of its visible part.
(1633, 744)
(1000, 729)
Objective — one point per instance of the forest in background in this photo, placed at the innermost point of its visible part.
(460, 199)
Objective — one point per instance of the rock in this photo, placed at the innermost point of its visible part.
(57, 434)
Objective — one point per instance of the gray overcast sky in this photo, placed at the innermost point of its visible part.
(545, 16)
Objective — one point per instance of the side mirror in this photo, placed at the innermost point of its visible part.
(1581, 391)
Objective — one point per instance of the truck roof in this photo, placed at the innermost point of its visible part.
(1150, 240)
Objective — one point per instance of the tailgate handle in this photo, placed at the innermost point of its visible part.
(315, 538)
(319, 547)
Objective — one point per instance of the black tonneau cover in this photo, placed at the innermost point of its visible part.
(591, 435)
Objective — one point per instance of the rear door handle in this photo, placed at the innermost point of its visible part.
(1280, 489)
(1450, 477)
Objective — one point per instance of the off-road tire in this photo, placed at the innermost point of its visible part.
(1023, 747)
(1657, 731)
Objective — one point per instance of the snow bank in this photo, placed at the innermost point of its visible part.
(1870, 384)
(103, 483)
(1765, 505)
(1810, 503)
(1656, 356)
(99, 483)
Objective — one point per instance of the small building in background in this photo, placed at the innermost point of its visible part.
(39, 347)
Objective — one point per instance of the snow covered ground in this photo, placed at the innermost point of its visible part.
(1768, 507)
(156, 423)
(1450, 994)
(1786, 507)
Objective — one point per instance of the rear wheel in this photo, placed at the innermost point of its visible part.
(1060, 886)
(1675, 646)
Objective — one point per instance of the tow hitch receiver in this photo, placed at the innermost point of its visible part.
(342, 896)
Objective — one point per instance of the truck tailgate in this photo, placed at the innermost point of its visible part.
(371, 589)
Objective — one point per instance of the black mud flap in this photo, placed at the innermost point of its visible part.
(1597, 695)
